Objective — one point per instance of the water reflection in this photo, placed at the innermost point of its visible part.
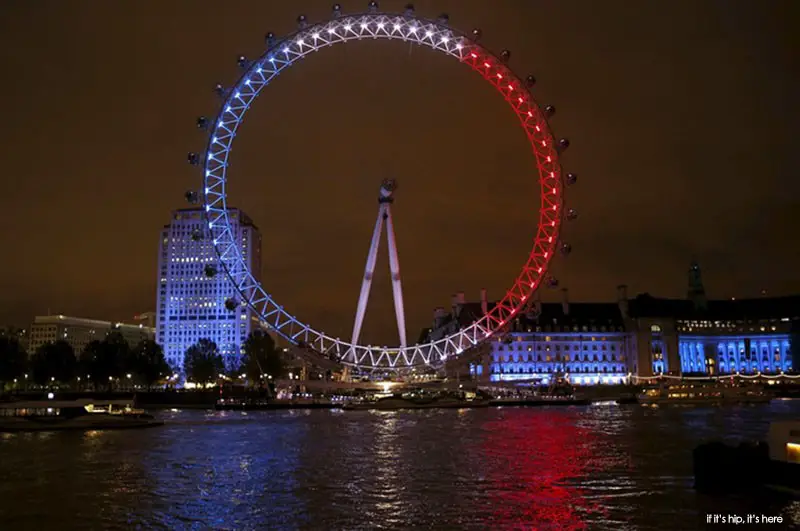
(534, 463)
(512, 468)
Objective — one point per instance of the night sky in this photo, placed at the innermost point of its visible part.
(683, 118)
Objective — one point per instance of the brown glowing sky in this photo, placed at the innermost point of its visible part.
(682, 116)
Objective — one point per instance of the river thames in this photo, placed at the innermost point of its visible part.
(566, 468)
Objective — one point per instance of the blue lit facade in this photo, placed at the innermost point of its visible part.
(191, 306)
(769, 354)
(726, 337)
(597, 355)
(606, 343)
(587, 343)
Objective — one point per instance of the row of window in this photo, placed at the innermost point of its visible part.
(539, 369)
(557, 348)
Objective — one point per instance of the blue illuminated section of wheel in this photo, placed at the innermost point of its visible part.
(434, 34)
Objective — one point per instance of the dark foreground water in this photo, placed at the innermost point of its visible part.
(598, 467)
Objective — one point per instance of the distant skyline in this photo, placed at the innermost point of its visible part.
(682, 117)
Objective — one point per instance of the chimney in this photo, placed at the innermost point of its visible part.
(537, 303)
(622, 300)
(461, 298)
(484, 302)
(565, 301)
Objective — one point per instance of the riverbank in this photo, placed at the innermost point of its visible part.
(172, 399)
(258, 399)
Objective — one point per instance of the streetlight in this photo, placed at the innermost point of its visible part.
(128, 376)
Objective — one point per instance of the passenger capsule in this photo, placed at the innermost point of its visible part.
(302, 22)
(563, 144)
(202, 122)
(443, 19)
(476, 34)
(210, 270)
(530, 81)
(372, 6)
(219, 89)
(571, 178)
(197, 235)
(337, 10)
(241, 61)
(551, 282)
(230, 304)
(505, 55)
(549, 111)
(572, 214)
(409, 10)
(566, 249)
(270, 40)
(191, 197)
(192, 158)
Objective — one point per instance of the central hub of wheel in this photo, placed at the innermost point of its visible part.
(386, 193)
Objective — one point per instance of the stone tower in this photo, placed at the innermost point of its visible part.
(696, 293)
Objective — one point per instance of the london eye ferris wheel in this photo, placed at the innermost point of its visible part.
(436, 34)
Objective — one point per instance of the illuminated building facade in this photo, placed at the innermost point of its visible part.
(696, 336)
(584, 342)
(748, 336)
(79, 332)
(596, 343)
(191, 305)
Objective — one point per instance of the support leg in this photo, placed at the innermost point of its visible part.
(369, 270)
(397, 288)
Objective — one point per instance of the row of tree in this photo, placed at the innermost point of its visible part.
(100, 363)
(203, 363)
(103, 362)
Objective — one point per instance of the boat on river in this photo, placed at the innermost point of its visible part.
(397, 401)
(58, 415)
(696, 393)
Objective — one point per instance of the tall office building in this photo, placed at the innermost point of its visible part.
(190, 305)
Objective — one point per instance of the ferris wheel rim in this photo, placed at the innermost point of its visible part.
(439, 37)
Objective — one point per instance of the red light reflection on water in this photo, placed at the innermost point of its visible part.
(534, 463)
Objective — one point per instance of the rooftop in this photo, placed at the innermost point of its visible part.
(80, 321)
(645, 305)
